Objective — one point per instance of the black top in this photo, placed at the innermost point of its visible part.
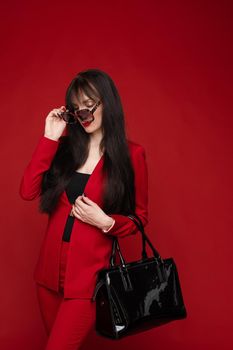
(74, 189)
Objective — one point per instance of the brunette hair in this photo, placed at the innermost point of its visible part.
(72, 152)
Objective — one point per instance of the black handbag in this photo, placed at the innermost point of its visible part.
(137, 296)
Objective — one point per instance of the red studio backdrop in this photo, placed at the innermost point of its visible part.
(172, 64)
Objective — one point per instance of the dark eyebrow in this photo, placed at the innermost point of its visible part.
(89, 99)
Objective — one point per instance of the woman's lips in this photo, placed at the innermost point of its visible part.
(85, 124)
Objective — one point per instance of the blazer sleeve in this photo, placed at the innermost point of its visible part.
(123, 225)
(30, 184)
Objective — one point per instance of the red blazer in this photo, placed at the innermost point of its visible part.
(90, 248)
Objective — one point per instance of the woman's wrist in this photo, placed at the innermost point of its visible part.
(51, 137)
(109, 223)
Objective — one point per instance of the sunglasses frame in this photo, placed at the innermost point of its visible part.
(76, 115)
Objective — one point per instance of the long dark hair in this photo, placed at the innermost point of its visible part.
(72, 152)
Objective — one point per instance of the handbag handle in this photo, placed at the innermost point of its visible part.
(139, 225)
(136, 217)
(145, 239)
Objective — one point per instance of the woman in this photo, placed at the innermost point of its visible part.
(88, 177)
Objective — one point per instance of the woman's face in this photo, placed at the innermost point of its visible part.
(82, 101)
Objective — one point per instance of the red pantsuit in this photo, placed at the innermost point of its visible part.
(67, 321)
(89, 248)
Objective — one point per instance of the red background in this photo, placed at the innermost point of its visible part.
(172, 64)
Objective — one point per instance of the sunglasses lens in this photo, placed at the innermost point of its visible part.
(68, 118)
(85, 114)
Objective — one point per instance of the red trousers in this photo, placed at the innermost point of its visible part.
(67, 321)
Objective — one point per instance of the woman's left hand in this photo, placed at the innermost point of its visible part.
(88, 211)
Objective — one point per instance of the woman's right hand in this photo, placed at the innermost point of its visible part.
(54, 124)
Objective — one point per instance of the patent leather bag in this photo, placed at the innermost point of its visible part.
(137, 296)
